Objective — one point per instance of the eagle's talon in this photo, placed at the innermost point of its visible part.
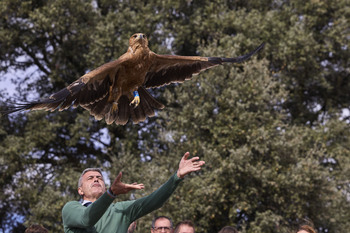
(115, 106)
(136, 101)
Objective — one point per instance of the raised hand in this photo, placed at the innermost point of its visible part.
(187, 166)
(118, 187)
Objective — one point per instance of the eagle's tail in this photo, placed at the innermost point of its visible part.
(125, 111)
(146, 107)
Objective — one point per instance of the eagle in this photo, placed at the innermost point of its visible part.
(117, 91)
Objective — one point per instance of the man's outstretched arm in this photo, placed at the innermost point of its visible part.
(155, 200)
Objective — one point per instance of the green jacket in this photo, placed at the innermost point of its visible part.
(104, 216)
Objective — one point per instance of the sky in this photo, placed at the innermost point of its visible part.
(6, 85)
(12, 78)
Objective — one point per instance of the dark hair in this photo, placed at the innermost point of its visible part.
(159, 217)
(307, 228)
(228, 229)
(35, 228)
(185, 222)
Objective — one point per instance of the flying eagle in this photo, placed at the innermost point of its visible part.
(117, 91)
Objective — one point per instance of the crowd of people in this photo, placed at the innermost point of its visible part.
(97, 211)
(164, 224)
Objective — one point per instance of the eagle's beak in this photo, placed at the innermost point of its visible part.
(140, 37)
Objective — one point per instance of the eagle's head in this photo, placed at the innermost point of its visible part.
(137, 40)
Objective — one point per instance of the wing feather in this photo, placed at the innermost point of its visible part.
(123, 110)
(85, 91)
(168, 69)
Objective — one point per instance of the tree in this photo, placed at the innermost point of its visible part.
(262, 174)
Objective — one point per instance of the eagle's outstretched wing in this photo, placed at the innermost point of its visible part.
(85, 91)
(92, 92)
(168, 69)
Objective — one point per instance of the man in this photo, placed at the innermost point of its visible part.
(162, 224)
(132, 227)
(228, 229)
(98, 213)
(36, 229)
(306, 229)
(184, 227)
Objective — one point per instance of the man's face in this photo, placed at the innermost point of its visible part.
(186, 229)
(92, 186)
(162, 225)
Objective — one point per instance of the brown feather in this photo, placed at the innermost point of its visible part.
(123, 111)
(99, 108)
(145, 109)
(168, 69)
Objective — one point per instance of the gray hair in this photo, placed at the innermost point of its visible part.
(88, 170)
(159, 217)
(228, 229)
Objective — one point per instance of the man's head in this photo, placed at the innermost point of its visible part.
(184, 227)
(36, 229)
(91, 184)
(228, 229)
(306, 229)
(162, 224)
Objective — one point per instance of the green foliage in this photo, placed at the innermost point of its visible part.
(272, 130)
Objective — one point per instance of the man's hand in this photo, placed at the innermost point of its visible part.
(118, 187)
(187, 166)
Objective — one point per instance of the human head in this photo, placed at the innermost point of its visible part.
(35, 228)
(162, 224)
(228, 229)
(91, 184)
(306, 229)
(184, 227)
